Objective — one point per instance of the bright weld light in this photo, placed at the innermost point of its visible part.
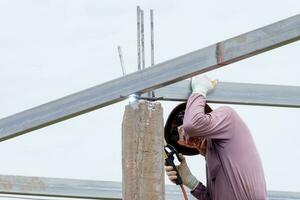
(132, 98)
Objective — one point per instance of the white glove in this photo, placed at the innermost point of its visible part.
(201, 84)
(188, 179)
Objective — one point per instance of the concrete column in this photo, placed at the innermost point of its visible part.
(142, 152)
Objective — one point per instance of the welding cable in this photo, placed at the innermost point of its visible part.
(184, 192)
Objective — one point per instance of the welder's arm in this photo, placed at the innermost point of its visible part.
(203, 85)
(189, 180)
(200, 192)
(196, 123)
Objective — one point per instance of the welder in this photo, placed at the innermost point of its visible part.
(233, 167)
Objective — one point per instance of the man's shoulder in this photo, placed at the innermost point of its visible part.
(225, 109)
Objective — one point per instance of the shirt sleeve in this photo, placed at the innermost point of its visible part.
(200, 192)
(213, 125)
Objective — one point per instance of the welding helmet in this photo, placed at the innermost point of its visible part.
(171, 134)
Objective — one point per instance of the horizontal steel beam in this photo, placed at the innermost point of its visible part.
(57, 187)
(22, 185)
(237, 93)
(160, 75)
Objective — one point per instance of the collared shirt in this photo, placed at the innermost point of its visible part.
(233, 167)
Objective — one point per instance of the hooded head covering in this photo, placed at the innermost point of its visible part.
(175, 120)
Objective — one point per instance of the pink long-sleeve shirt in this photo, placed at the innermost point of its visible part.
(233, 166)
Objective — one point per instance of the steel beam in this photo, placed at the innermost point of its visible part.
(57, 187)
(160, 75)
(74, 188)
(237, 93)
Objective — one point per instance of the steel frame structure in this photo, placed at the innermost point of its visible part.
(160, 75)
(237, 93)
(149, 79)
(88, 189)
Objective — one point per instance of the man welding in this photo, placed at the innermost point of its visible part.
(233, 166)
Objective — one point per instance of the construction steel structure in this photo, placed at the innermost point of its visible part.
(106, 190)
(166, 79)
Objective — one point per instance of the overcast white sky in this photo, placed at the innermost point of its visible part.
(52, 48)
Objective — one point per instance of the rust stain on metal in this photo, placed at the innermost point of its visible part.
(220, 53)
(5, 185)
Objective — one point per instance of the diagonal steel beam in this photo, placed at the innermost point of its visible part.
(238, 93)
(88, 189)
(160, 75)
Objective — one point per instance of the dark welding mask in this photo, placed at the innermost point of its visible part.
(171, 134)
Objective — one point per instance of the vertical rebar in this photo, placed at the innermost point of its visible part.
(152, 37)
(121, 60)
(138, 12)
(142, 39)
(152, 94)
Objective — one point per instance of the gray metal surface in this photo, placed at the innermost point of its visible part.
(59, 187)
(238, 93)
(54, 187)
(160, 75)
